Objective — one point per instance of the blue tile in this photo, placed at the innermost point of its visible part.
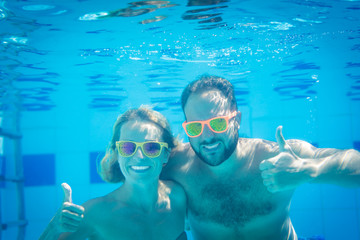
(39, 169)
(46, 198)
(341, 224)
(308, 222)
(307, 197)
(336, 197)
(2, 170)
(357, 145)
(35, 228)
(10, 233)
(95, 158)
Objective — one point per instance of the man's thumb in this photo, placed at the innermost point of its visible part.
(280, 139)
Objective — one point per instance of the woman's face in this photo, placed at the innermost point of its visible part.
(139, 167)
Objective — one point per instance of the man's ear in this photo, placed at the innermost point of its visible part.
(238, 118)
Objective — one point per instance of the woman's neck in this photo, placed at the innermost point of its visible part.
(142, 195)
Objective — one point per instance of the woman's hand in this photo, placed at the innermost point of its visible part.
(70, 215)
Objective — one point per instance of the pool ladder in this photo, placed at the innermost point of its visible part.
(18, 180)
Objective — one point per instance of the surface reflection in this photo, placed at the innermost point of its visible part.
(210, 16)
(135, 9)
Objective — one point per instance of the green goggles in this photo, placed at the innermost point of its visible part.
(216, 124)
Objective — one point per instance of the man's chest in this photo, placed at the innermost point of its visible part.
(232, 201)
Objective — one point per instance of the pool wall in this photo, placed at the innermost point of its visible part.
(61, 147)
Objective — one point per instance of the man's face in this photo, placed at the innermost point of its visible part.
(212, 148)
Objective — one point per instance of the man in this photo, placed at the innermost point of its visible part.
(240, 188)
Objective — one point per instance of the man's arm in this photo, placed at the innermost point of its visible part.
(299, 162)
(335, 166)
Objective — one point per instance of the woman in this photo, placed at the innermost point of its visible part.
(143, 207)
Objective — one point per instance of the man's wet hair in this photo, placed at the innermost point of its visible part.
(210, 82)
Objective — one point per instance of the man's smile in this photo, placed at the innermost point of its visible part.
(211, 148)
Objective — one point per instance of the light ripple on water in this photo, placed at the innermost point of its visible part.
(228, 44)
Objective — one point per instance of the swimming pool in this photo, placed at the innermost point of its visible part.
(70, 68)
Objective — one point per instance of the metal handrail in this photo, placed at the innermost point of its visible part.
(18, 179)
(10, 179)
(18, 223)
(9, 134)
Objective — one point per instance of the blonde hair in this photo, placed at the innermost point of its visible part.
(109, 169)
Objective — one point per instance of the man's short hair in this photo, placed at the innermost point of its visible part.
(209, 82)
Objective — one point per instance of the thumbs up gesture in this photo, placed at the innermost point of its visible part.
(286, 170)
(70, 215)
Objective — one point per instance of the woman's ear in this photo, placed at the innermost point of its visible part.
(167, 156)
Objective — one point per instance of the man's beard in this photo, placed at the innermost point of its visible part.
(228, 150)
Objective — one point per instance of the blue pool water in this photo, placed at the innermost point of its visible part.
(68, 68)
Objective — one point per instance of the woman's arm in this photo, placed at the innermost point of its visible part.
(68, 218)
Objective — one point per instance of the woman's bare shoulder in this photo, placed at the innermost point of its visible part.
(98, 204)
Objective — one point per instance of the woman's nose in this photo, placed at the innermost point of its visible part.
(139, 153)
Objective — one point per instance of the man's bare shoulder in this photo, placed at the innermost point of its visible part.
(300, 147)
(180, 155)
(174, 187)
(181, 152)
(180, 160)
(176, 193)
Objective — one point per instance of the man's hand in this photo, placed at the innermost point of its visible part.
(69, 215)
(286, 170)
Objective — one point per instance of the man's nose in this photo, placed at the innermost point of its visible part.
(207, 132)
